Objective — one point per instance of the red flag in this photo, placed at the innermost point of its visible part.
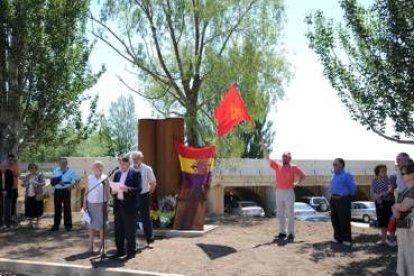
(230, 111)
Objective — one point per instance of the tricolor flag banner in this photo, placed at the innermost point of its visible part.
(196, 164)
(230, 111)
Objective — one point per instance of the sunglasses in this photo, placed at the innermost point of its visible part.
(335, 164)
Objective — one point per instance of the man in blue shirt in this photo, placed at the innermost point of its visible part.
(342, 189)
(63, 180)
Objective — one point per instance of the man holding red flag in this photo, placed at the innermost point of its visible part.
(231, 111)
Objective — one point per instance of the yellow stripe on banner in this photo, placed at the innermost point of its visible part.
(196, 166)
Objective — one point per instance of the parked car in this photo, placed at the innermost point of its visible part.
(305, 212)
(319, 203)
(247, 209)
(363, 210)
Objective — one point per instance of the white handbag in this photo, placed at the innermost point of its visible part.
(86, 217)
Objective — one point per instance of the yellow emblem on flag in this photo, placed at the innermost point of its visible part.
(235, 112)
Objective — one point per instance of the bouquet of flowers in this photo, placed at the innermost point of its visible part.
(167, 210)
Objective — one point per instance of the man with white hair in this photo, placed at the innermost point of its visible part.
(149, 183)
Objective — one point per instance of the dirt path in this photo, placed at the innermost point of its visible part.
(235, 248)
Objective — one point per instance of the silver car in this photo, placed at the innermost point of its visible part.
(363, 210)
(248, 209)
(305, 212)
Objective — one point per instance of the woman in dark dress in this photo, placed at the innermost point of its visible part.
(383, 191)
(34, 182)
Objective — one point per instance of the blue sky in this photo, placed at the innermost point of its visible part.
(310, 121)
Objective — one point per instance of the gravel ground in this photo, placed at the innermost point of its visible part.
(234, 248)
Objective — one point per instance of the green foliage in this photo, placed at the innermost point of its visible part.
(43, 73)
(188, 52)
(369, 60)
(119, 130)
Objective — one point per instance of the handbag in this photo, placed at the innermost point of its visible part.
(39, 197)
(86, 217)
(57, 179)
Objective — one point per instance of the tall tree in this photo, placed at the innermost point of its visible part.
(252, 140)
(187, 52)
(43, 73)
(369, 60)
(121, 125)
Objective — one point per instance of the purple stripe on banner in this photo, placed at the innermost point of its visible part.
(196, 179)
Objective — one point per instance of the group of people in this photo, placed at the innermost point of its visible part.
(391, 210)
(137, 181)
(132, 200)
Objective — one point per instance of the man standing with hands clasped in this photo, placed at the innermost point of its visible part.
(148, 186)
(342, 189)
(286, 174)
(63, 180)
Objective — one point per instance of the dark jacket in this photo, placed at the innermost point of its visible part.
(130, 202)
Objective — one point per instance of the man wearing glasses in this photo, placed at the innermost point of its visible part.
(342, 189)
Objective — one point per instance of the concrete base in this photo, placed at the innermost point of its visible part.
(170, 233)
(33, 268)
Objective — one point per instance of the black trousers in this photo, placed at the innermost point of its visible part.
(125, 229)
(144, 214)
(62, 197)
(2, 203)
(9, 208)
(341, 218)
(14, 196)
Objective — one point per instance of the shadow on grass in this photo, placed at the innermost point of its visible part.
(382, 259)
(214, 251)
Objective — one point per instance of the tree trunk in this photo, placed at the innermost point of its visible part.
(8, 142)
(191, 125)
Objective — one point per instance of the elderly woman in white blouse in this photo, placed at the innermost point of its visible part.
(96, 203)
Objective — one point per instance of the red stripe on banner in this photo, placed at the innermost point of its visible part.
(195, 153)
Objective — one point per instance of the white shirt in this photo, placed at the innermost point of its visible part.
(30, 188)
(147, 176)
(96, 195)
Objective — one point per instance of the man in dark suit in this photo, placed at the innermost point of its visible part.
(126, 208)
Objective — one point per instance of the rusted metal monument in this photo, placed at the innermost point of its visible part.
(156, 141)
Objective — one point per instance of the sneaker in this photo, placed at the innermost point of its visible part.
(391, 243)
(54, 229)
(336, 241)
(346, 243)
(380, 242)
(291, 237)
(281, 236)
